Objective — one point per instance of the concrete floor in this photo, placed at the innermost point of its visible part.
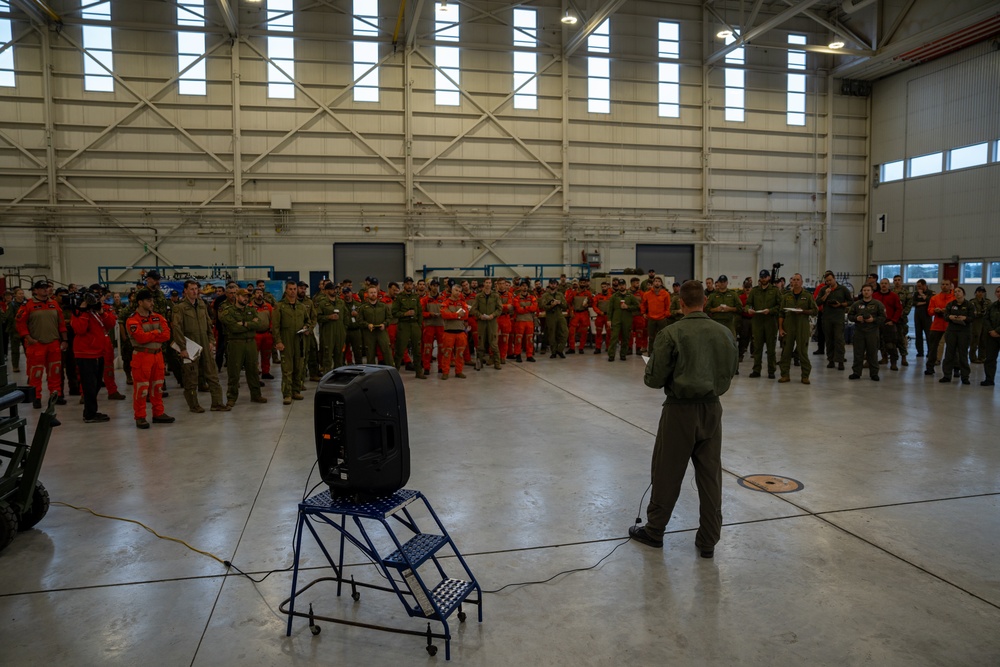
(887, 556)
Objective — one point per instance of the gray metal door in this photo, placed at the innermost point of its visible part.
(675, 260)
(385, 261)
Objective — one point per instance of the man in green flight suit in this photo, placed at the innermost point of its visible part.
(311, 349)
(191, 319)
(622, 307)
(553, 304)
(724, 306)
(486, 308)
(330, 312)
(289, 330)
(409, 317)
(763, 303)
(869, 315)
(797, 305)
(241, 323)
(375, 316)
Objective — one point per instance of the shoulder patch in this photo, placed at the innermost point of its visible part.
(133, 328)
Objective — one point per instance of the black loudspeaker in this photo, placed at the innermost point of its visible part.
(362, 443)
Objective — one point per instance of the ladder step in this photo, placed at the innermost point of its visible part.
(450, 593)
(416, 551)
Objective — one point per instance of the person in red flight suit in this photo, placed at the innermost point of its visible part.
(264, 339)
(430, 305)
(890, 328)
(602, 329)
(148, 331)
(110, 322)
(505, 323)
(525, 308)
(580, 301)
(639, 331)
(42, 328)
(455, 312)
(89, 324)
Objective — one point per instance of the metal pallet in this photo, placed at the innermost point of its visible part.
(435, 600)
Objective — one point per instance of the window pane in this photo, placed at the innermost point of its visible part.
(970, 156)
(599, 106)
(599, 67)
(280, 47)
(734, 78)
(734, 98)
(600, 88)
(972, 272)
(994, 273)
(892, 171)
(888, 271)
(797, 59)
(925, 164)
(797, 83)
(796, 102)
(191, 42)
(446, 98)
(928, 272)
(735, 115)
(670, 31)
(670, 110)
(795, 118)
(526, 101)
(524, 62)
(194, 87)
(669, 93)
(365, 94)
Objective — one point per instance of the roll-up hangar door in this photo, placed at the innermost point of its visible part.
(675, 260)
(385, 261)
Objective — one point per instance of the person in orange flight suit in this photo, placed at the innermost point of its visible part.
(639, 331)
(430, 305)
(525, 308)
(505, 323)
(148, 331)
(42, 328)
(602, 329)
(655, 305)
(580, 301)
(936, 307)
(454, 312)
(264, 339)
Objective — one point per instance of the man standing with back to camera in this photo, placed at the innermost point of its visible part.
(693, 362)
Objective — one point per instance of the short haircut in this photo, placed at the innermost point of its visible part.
(897, 276)
(232, 283)
(393, 284)
(191, 282)
(693, 294)
(291, 282)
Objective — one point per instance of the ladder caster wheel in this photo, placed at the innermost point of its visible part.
(355, 596)
(315, 629)
(462, 616)
(432, 650)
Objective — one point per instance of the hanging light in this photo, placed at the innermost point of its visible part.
(724, 34)
(443, 6)
(568, 18)
(836, 45)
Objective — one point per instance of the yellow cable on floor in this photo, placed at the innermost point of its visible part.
(139, 523)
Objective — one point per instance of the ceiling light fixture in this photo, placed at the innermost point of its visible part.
(836, 45)
(724, 34)
(443, 6)
(568, 18)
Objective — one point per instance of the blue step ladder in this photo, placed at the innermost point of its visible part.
(433, 599)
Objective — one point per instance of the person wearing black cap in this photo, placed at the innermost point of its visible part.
(622, 307)
(647, 284)
(980, 304)
(764, 303)
(164, 307)
(149, 332)
(41, 326)
(724, 306)
(108, 365)
(89, 323)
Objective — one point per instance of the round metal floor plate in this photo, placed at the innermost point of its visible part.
(770, 484)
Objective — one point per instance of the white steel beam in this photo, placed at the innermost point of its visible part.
(229, 18)
(411, 29)
(577, 40)
(753, 33)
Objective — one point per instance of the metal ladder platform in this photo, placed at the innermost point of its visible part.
(435, 598)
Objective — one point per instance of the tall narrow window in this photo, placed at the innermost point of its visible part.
(670, 87)
(7, 55)
(97, 43)
(280, 50)
(191, 47)
(365, 53)
(599, 70)
(796, 114)
(735, 83)
(446, 57)
(525, 63)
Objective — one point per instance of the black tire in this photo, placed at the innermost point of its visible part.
(39, 508)
(8, 525)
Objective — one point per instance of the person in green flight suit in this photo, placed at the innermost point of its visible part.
(375, 316)
(486, 308)
(289, 328)
(311, 349)
(622, 307)
(868, 314)
(553, 304)
(241, 323)
(797, 306)
(330, 313)
(763, 303)
(409, 316)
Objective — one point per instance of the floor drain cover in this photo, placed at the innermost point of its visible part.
(770, 484)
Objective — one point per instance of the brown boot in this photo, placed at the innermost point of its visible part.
(258, 399)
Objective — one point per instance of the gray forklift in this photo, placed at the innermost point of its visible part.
(23, 499)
